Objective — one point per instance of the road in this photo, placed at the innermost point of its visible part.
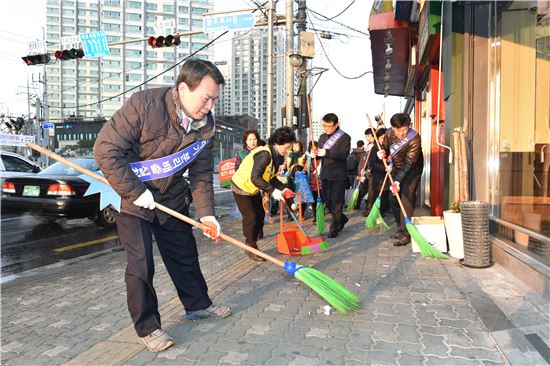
(28, 242)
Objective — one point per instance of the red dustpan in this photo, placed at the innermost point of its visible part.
(295, 241)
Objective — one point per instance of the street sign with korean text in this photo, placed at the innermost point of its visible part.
(7, 139)
(95, 44)
(165, 27)
(233, 22)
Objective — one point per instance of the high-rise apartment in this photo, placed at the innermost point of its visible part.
(91, 87)
(249, 75)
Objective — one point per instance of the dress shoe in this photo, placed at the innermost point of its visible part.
(333, 234)
(255, 257)
(344, 222)
(402, 242)
(398, 235)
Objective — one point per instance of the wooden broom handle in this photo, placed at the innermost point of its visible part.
(162, 208)
(386, 166)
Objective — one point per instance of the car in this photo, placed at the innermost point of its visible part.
(12, 164)
(56, 192)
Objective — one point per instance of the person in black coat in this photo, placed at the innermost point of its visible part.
(334, 149)
(377, 173)
(407, 164)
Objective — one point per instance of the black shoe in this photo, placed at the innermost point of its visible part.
(333, 234)
(365, 213)
(398, 235)
(402, 242)
(344, 222)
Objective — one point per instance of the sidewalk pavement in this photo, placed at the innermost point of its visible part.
(414, 311)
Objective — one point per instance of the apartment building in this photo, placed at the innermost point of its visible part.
(91, 87)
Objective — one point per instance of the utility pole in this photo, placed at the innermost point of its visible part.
(269, 121)
(288, 67)
(302, 70)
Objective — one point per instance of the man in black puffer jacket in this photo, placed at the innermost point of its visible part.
(143, 150)
(406, 160)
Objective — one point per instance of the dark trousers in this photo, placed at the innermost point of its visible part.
(408, 191)
(178, 250)
(333, 194)
(363, 190)
(374, 191)
(253, 213)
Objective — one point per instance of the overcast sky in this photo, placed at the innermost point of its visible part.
(347, 56)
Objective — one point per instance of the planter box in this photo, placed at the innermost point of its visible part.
(453, 227)
(432, 228)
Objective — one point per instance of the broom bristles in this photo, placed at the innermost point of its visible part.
(315, 248)
(320, 217)
(333, 292)
(374, 214)
(353, 199)
(426, 249)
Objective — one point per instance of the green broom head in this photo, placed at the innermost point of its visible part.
(381, 224)
(353, 199)
(374, 214)
(334, 293)
(320, 216)
(426, 249)
(315, 248)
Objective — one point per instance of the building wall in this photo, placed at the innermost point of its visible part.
(249, 76)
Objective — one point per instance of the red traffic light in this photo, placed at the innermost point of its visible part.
(36, 59)
(162, 41)
(69, 54)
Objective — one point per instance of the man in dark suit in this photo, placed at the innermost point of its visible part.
(334, 149)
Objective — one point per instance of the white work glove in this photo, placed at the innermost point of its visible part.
(146, 200)
(381, 154)
(214, 229)
(395, 188)
(278, 195)
(321, 152)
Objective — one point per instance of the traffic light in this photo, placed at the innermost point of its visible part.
(43, 58)
(161, 41)
(69, 54)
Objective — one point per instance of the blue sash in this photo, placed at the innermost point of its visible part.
(332, 139)
(395, 148)
(168, 165)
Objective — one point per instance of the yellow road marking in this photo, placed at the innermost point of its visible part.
(85, 244)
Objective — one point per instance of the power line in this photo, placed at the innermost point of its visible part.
(154, 77)
(340, 13)
(314, 13)
(334, 67)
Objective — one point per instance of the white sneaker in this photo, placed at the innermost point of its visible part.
(157, 341)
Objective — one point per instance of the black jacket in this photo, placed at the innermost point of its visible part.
(409, 161)
(333, 165)
(146, 127)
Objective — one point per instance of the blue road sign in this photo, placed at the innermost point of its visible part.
(94, 44)
(217, 23)
(48, 125)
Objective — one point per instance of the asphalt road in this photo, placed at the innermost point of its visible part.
(28, 242)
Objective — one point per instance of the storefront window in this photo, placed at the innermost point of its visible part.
(522, 92)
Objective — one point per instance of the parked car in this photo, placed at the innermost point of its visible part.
(12, 164)
(56, 192)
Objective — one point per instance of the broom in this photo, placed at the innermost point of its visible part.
(426, 249)
(375, 220)
(334, 293)
(320, 207)
(355, 195)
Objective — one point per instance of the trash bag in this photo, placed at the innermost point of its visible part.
(301, 182)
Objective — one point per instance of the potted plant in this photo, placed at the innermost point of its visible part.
(453, 228)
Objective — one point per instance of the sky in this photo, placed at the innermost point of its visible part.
(346, 55)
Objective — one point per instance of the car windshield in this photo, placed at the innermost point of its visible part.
(62, 169)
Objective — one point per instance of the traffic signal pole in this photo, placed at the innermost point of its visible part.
(269, 121)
